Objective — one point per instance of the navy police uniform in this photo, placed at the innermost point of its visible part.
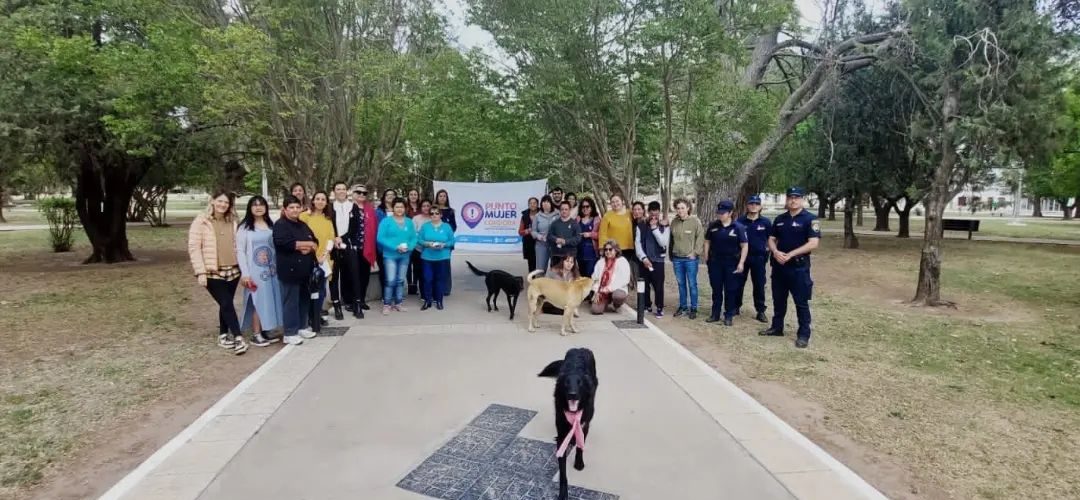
(757, 235)
(725, 252)
(791, 232)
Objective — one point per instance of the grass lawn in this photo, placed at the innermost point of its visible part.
(978, 402)
(90, 351)
(1047, 227)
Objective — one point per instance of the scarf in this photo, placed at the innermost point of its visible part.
(609, 269)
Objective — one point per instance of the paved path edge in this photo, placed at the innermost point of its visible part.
(133, 478)
(848, 476)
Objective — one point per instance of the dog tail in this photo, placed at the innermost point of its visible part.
(475, 270)
(533, 274)
(552, 369)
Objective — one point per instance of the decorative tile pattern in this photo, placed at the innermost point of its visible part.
(505, 419)
(628, 324)
(333, 331)
(487, 461)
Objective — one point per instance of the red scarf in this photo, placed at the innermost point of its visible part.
(609, 269)
(371, 228)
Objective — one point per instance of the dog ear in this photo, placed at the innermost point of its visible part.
(552, 369)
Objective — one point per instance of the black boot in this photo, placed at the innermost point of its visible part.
(728, 322)
(364, 306)
(771, 332)
(438, 305)
(358, 310)
(693, 313)
(761, 317)
(426, 306)
(338, 315)
(712, 319)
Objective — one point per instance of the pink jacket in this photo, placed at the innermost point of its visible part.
(202, 244)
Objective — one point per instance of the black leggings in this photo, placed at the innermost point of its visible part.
(223, 293)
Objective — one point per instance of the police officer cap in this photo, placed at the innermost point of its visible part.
(795, 191)
(725, 206)
(754, 199)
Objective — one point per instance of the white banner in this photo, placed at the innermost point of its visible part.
(488, 214)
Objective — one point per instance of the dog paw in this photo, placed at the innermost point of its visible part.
(579, 465)
(564, 333)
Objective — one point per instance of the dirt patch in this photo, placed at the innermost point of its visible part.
(102, 364)
(885, 473)
(978, 402)
(116, 450)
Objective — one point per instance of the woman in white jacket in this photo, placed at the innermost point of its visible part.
(611, 279)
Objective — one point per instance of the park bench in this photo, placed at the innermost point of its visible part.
(969, 225)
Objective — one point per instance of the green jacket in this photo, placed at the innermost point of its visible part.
(687, 237)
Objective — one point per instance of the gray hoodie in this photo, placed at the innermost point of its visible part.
(542, 224)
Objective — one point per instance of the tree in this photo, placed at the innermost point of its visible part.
(103, 89)
(978, 68)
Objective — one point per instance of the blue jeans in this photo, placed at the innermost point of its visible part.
(296, 301)
(543, 256)
(435, 273)
(686, 276)
(396, 265)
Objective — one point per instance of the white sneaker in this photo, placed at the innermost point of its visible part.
(293, 340)
(307, 333)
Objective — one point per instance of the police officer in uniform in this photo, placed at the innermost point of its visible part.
(725, 249)
(795, 234)
(758, 229)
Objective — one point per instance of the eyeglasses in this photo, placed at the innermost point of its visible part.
(609, 249)
(360, 192)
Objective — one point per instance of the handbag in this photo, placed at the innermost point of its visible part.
(318, 276)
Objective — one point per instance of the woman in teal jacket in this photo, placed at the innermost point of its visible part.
(397, 238)
(437, 241)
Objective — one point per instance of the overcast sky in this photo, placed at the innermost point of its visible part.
(470, 36)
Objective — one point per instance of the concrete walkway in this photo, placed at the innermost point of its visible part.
(446, 404)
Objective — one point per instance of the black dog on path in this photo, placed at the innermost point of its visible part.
(575, 396)
(500, 281)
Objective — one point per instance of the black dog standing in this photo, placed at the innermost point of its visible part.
(497, 281)
(575, 397)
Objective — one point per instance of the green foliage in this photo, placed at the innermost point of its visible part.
(61, 214)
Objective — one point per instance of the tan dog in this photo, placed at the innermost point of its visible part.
(566, 295)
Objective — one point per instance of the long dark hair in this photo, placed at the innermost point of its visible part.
(442, 191)
(328, 210)
(248, 222)
(382, 201)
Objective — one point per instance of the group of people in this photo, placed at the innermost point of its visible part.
(568, 238)
(318, 244)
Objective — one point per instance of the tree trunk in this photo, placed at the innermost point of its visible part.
(850, 239)
(832, 209)
(2, 200)
(1066, 209)
(822, 205)
(1036, 211)
(1076, 207)
(905, 217)
(102, 197)
(882, 208)
(928, 289)
(858, 212)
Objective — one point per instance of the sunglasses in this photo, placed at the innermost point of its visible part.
(609, 249)
(360, 192)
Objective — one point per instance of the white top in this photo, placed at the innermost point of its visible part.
(620, 279)
(342, 209)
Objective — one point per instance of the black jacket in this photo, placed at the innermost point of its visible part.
(568, 230)
(292, 266)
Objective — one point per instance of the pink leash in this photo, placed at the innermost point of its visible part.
(576, 432)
